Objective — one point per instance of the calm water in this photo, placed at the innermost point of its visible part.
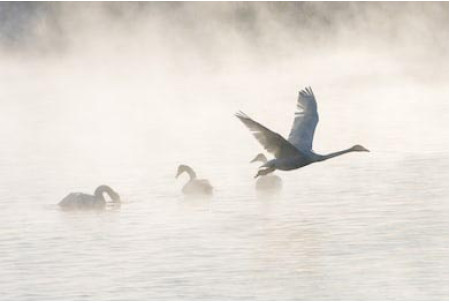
(365, 226)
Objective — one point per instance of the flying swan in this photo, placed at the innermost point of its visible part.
(80, 201)
(194, 186)
(297, 151)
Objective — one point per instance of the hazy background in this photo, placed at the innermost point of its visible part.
(121, 93)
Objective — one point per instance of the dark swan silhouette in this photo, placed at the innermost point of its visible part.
(269, 182)
(194, 186)
(297, 151)
(82, 201)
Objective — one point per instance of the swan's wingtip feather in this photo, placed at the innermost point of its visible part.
(307, 91)
(241, 115)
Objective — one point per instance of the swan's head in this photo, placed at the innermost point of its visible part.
(181, 169)
(115, 197)
(259, 157)
(264, 170)
(360, 148)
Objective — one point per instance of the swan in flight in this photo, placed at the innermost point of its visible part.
(79, 201)
(194, 186)
(269, 182)
(296, 151)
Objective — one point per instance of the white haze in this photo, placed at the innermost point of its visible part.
(121, 93)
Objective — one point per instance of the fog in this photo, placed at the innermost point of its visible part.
(118, 82)
(122, 93)
(118, 75)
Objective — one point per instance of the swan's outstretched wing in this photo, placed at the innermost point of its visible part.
(305, 121)
(271, 141)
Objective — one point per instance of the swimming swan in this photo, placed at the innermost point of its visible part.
(269, 182)
(297, 151)
(78, 201)
(194, 186)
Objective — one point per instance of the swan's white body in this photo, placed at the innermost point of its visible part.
(198, 186)
(269, 182)
(82, 201)
(194, 186)
(297, 151)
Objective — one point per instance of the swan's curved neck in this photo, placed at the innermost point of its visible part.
(190, 172)
(335, 154)
(108, 190)
(261, 158)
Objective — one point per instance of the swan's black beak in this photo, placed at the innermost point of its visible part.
(366, 150)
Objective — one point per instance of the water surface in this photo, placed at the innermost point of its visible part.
(366, 226)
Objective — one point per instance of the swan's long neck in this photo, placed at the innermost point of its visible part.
(259, 158)
(262, 159)
(190, 172)
(335, 154)
(106, 189)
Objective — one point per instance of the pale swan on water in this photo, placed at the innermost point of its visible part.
(74, 201)
(297, 151)
(269, 182)
(194, 186)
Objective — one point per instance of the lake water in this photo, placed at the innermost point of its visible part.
(364, 226)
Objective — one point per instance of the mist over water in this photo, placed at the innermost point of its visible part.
(122, 93)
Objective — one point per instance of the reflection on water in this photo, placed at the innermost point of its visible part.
(268, 195)
(359, 228)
